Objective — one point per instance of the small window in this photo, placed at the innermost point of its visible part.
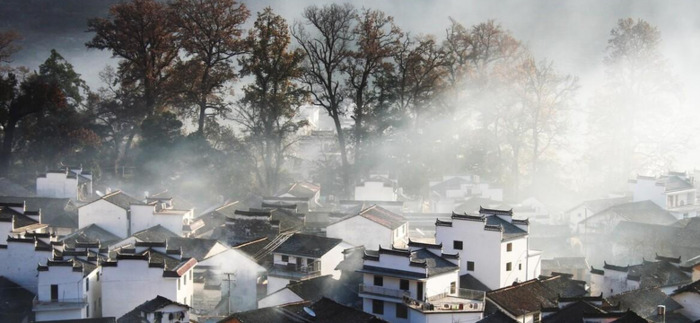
(98, 276)
(453, 287)
(377, 306)
(285, 258)
(178, 284)
(378, 280)
(509, 246)
(520, 266)
(401, 311)
(87, 311)
(470, 266)
(185, 301)
(309, 261)
(403, 284)
(509, 266)
(184, 279)
(457, 245)
(87, 284)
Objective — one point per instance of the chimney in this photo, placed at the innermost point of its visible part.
(661, 310)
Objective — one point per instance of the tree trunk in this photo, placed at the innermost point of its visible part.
(343, 155)
(202, 116)
(6, 156)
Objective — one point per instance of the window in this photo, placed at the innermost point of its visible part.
(453, 287)
(403, 284)
(309, 261)
(98, 276)
(401, 311)
(509, 266)
(457, 245)
(178, 284)
(377, 306)
(87, 284)
(285, 258)
(378, 280)
(520, 266)
(54, 292)
(470, 266)
(87, 311)
(509, 246)
(185, 301)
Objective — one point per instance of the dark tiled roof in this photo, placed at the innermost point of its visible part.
(121, 199)
(630, 317)
(510, 231)
(325, 310)
(533, 295)
(601, 204)
(675, 183)
(470, 282)
(300, 189)
(156, 233)
(15, 301)
(134, 316)
(324, 286)
(381, 216)
(573, 313)
(90, 234)
(642, 211)
(645, 301)
(306, 245)
(192, 247)
(693, 287)
(10, 188)
(497, 317)
(56, 212)
(435, 264)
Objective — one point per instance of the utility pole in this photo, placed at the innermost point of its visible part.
(229, 280)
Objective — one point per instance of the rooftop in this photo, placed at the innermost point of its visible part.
(306, 245)
(381, 216)
(90, 234)
(135, 316)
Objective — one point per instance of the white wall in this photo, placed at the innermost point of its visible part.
(331, 260)
(360, 231)
(57, 185)
(132, 282)
(276, 283)
(71, 287)
(19, 262)
(105, 214)
(518, 255)
(145, 216)
(480, 246)
(5, 230)
(374, 191)
(646, 189)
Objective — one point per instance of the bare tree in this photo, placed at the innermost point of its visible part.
(326, 51)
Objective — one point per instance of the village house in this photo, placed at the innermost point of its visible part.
(68, 289)
(493, 247)
(20, 255)
(586, 209)
(377, 188)
(313, 289)
(132, 276)
(379, 227)
(244, 226)
(157, 310)
(67, 182)
(643, 212)
(59, 214)
(664, 273)
(652, 304)
(419, 284)
(303, 256)
(450, 191)
(674, 192)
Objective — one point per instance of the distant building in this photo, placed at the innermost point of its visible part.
(447, 193)
(674, 192)
(586, 209)
(377, 188)
(604, 221)
(371, 227)
(67, 182)
(664, 273)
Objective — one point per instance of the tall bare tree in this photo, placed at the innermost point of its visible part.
(327, 47)
(376, 40)
(269, 103)
(210, 32)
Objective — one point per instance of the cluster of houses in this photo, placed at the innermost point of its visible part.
(70, 252)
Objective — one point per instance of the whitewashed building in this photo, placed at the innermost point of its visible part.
(304, 256)
(674, 192)
(68, 290)
(420, 284)
(372, 227)
(158, 310)
(586, 209)
(20, 256)
(376, 188)
(664, 273)
(493, 247)
(133, 276)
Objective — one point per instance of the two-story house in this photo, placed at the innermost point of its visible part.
(493, 247)
(67, 290)
(379, 227)
(304, 256)
(419, 284)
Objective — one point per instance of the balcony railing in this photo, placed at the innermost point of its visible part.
(64, 303)
(389, 292)
(295, 271)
